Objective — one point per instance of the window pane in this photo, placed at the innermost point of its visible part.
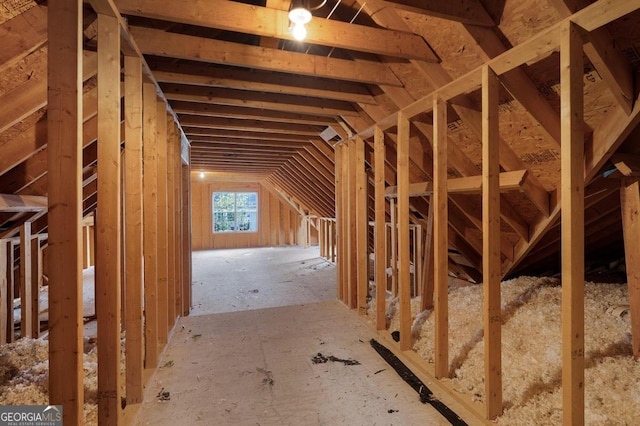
(235, 211)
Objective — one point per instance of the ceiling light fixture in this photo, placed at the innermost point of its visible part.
(299, 15)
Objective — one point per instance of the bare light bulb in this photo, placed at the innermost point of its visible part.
(299, 32)
(201, 175)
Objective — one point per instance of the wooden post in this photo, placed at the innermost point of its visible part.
(36, 283)
(491, 245)
(4, 285)
(426, 298)
(186, 240)
(404, 254)
(572, 233)
(150, 227)
(162, 263)
(630, 206)
(177, 188)
(109, 221)
(394, 247)
(85, 246)
(64, 147)
(26, 296)
(133, 227)
(339, 235)
(92, 245)
(352, 230)
(346, 251)
(362, 226)
(380, 229)
(171, 223)
(10, 294)
(441, 239)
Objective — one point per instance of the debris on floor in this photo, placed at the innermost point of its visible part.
(321, 359)
(163, 395)
(268, 379)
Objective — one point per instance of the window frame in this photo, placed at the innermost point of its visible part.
(235, 212)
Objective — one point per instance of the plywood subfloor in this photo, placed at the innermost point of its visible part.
(255, 367)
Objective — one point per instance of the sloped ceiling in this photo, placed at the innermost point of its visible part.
(254, 103)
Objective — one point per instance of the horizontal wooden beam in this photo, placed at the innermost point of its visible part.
(171, 45)
(262, 81)
(268, 101)
(246, 113)
(509, 181)
(22, 203)
(262, 21)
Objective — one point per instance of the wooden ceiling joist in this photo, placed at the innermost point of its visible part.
(241, 112)
(262, 81)
(262, 21)
(269, 101)
(246, 125)
(171, 45)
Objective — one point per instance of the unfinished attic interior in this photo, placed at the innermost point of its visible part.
(470, 168)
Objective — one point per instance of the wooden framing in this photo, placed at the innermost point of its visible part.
(109, 221)
(427, 284)
(441, 240)
(64, 142)
(630, 207)
(492, 310)
(36, 283)
(186, 240)
(26, 288)
(362, 227)
(404, 279)
(4, 299)
(572, 202)
(380, 236)
(150, 228)
(133, 228)
(162, 222)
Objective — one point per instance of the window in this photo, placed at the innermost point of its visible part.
(235, 211)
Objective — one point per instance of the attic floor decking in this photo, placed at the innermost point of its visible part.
(223, 363)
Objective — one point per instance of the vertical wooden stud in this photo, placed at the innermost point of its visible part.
(133, 227)
(404, 243)
(171, 208)
(4, 305)
(163, 271)
(572, 233)
(26, 296)
(630, 207)
(380, 229)
(353, 232)
(36, 283)
(394, 247)
(426, 294)
(108, 221)
(150, 227)
(491, 245)
(64, 147)
(10, 294)
(346, 257)
(362, 226)
(186, 240)
(441, 239)
(338, 191)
